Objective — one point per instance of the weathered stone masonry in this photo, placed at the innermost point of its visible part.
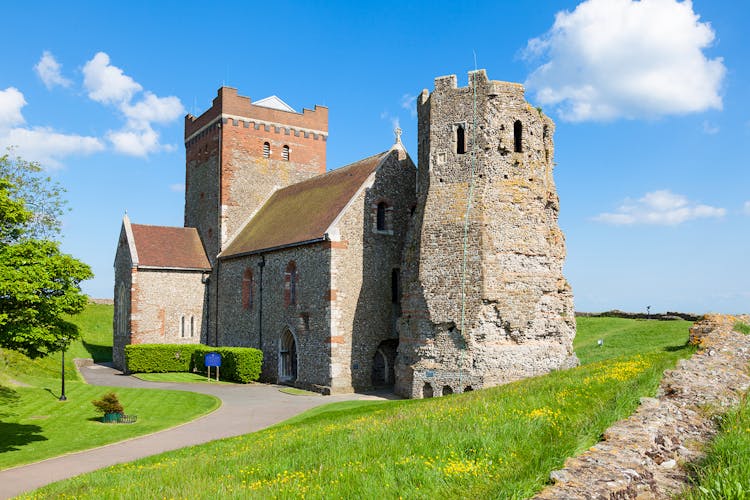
(355, 278)
(483, 142)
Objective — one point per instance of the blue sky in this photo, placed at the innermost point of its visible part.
(651, 101)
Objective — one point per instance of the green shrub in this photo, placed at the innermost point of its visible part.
(241, 364)
(159, 358)
(108, 404)
(742, 327)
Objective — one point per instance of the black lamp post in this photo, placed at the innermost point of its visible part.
(62, 370)
(648, 312)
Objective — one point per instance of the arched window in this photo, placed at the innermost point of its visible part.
(517, 137)
(192, 326)
(460, 140)
(266, 150)
(380, 217)
(290, 284)
(182, 326)
(247, 289)
(285, 153)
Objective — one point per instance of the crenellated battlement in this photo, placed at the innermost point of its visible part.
(229, 105)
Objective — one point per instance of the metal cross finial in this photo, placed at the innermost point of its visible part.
(398, 131)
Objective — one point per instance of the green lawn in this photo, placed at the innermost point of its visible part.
(181, 377)
(494, 443)
(35, 425)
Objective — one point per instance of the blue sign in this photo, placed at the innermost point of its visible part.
(212, 359)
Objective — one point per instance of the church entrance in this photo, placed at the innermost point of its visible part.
(383, 363)
(287, 357)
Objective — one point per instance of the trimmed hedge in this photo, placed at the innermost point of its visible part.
(159, 358)
(241, 364)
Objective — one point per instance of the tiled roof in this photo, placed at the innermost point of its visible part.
(303, 211)
(169, 247)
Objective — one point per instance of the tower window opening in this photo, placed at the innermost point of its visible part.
(182, 326)
(285, 153)
(517, 137)
(380, 219)
(396, 286)
(266, 150)
(460, 140)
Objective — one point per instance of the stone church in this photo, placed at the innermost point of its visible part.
(435, 280)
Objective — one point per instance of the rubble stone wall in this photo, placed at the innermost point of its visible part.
(483, 145)
(644, 456)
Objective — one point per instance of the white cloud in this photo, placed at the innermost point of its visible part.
(613, 59)
(659, 208)
(135, 142)
(48, 70)
(153, 109)
(11, 102)
(408, 102)
(177, 188)
(42, 144)
(106, 83)
(48, 147)
(746, 208)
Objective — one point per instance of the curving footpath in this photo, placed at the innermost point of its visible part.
(244, 409)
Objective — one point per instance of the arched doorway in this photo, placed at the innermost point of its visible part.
(383, 363)
(287, 357)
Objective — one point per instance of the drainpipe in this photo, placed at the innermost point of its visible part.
(261, 265)
(219, 232)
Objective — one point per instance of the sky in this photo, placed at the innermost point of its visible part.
(651, 100)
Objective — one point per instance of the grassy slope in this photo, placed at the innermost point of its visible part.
(496, 443)
(34, 425)
(725, 472)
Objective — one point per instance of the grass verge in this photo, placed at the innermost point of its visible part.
(725, 472)
(34, 425)
(494, 443)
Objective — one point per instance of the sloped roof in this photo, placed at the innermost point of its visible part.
(169, 247)
(274, 102)
(304, 211)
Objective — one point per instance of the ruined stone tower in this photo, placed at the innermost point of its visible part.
(484, 298)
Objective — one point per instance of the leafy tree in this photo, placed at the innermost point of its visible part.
(38, 283)
(41, 195)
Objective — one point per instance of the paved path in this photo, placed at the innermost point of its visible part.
(244, 409)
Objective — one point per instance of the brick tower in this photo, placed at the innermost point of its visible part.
(238, 153)
(485, 300)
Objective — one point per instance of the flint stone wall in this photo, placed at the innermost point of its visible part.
(308, 320)
(518, 309)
